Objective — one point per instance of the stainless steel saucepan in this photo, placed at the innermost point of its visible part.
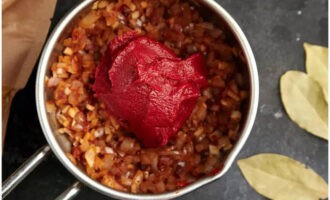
(59, 144)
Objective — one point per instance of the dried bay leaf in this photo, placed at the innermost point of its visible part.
(282, 178)
(303, 101)
(317, 65)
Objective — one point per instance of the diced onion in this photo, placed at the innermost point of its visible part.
(90, 157)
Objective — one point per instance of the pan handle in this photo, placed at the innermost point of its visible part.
(25, 169)
(71, 192)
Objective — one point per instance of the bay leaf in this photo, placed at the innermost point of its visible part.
(317, 65)
(303, 101)
(282, 178)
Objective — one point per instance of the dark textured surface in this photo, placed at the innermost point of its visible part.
(276, 31)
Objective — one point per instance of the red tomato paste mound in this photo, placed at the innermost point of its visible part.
(150, 90)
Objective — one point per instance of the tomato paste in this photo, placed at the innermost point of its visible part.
(150, 90)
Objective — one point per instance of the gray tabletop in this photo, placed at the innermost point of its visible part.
(276, 31)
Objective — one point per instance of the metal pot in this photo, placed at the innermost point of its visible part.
(59, 144)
